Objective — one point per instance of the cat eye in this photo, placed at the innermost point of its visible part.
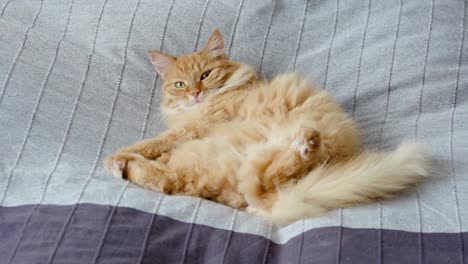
(205, 75)
(179, 84)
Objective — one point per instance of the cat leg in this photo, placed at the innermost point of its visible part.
(157, 147)
(271, 166)
(149, 174)
(152, 148)
(184, 171)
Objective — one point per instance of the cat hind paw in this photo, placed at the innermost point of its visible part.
(306, 142)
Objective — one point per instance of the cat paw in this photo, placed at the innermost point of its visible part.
(252, 210)
(306, 142)
(116, 164)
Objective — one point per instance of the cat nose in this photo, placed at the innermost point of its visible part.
(195, 93)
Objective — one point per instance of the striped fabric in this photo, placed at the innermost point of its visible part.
(76, 84)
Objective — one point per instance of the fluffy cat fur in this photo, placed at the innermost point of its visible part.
(280, 149)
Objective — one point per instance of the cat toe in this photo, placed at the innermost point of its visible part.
(307, 141)
(115, 165)
(118, 168)
(311, 138)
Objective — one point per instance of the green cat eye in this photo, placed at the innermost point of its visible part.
(179, 84)
(205, 75)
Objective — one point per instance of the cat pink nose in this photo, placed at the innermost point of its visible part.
(195, 94)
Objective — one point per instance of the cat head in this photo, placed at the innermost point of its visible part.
(189, 79)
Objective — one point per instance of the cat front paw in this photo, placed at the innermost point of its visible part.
(116, 165)
(306, 142)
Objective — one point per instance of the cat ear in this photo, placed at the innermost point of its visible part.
(215, 44)
(161, 62)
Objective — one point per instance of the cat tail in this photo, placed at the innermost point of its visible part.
(365, 178)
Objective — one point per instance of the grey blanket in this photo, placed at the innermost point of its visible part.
(76, 84)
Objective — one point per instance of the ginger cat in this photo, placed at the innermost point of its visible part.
(280, 149)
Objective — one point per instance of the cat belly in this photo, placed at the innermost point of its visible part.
(207, 168)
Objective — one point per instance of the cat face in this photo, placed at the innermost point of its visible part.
(190, 79)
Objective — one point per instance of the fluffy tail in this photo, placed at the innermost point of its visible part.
(366, 178)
